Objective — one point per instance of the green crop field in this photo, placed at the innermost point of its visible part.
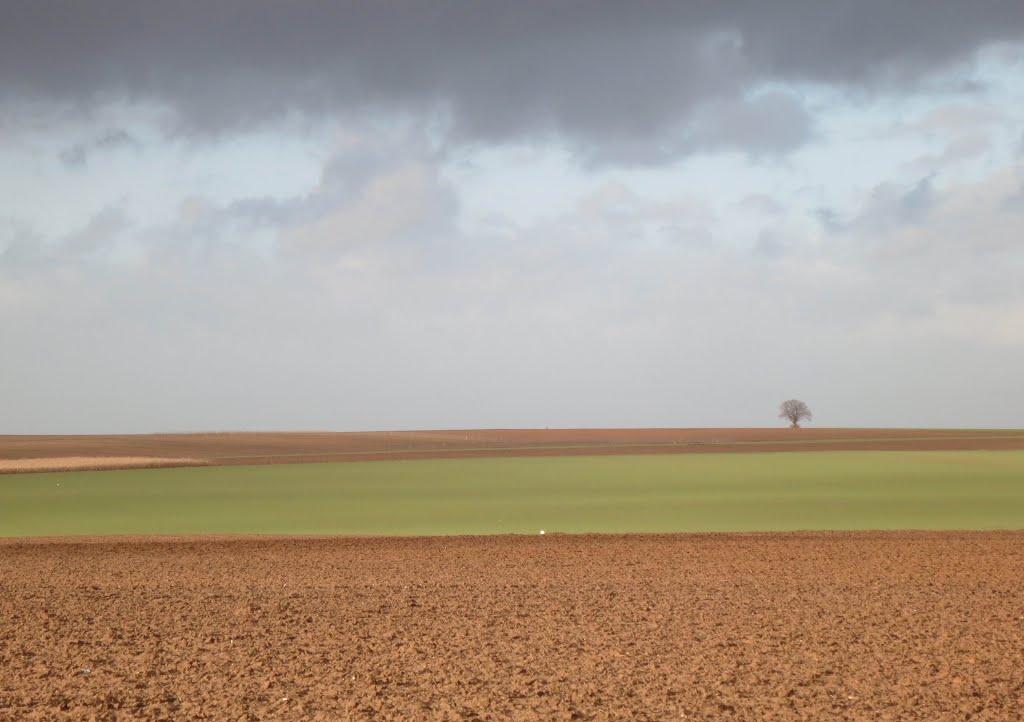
(686, 492)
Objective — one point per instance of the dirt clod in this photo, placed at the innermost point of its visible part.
(687, 627)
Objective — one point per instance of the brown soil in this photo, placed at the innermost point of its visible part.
(85, 463)
(302, 447)
(870, 626)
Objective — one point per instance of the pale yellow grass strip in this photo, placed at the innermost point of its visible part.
(83, 463)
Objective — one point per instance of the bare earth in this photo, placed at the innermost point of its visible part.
(86, 463)
(867, 626)
(304, 447)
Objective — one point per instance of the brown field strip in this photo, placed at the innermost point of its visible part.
(306, 447)
(90, 463)
(868, 626)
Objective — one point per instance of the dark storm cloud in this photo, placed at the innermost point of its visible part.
(633, 81)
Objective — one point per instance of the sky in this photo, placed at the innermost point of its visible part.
(394, 215)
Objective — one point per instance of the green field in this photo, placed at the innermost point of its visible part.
(685, 492)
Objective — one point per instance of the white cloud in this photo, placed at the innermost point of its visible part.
(982, 325)
(403, 205)
(379, 276)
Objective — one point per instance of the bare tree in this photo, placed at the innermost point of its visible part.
(796, 411)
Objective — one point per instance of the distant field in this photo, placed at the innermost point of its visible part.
(85, 463)
(643, 493)
(31, 453)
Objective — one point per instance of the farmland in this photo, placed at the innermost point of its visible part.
(39, 453)
(778, 491)
(825, 626)
(849, 576)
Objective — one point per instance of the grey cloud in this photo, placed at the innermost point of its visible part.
(877, 41)
(204, 233)
(1015, 201)
(78, 154)
(963, 148)
(74, 156)
(830, 220)
(595, 74)
(20, 249)
(345, 175)
(956, 118)
(888, 205)
(762, 204)
(769, 245)
(764, 124)
(910, 206)
(635, 335)
(391, 214)
(24, 252)
(98, 235)
(936, 233)
(379, 197)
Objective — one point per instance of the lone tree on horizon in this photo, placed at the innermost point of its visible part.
(796, 411)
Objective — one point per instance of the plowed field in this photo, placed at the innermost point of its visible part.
(98, 452)
(866, 626)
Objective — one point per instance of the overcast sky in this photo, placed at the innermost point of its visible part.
(379, 215)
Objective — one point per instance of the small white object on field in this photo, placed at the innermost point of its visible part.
(541, 531)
